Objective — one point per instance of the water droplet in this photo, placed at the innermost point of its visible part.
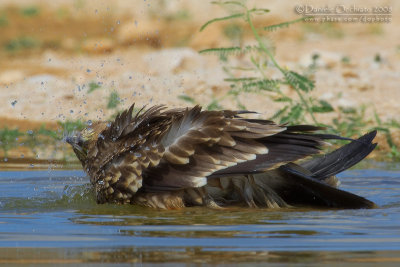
(118, 22)
(136, 23)
(137, 154)
(71, 111)
(14, 103)
(100, 182)
(89, 122)
(101, 136)
(49, 59)
(22, 156)
(130, 77)
(88, 70)
(146, 148)
(29, 132)
(5, 159)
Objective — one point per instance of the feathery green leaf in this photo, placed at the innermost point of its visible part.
(242, 79)
(233, 16)
(187, 98)
(237, 3)
(265, 85)
(259, 11)
(283, 24)
(279, 113)
(323, 107)
(299, 81)
(235, 50)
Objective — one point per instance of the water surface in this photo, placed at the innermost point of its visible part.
(50, 216)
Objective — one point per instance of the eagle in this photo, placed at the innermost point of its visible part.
(174, 158)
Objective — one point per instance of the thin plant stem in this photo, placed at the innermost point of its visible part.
(266, 50)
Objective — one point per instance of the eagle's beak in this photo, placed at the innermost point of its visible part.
(74, 139)
(69, 139)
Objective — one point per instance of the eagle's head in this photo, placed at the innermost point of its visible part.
(82, 141)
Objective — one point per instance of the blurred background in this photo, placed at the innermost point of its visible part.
(64, 63)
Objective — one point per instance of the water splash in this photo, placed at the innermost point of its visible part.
(72, 197)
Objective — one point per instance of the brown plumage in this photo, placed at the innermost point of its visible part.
(183, 157)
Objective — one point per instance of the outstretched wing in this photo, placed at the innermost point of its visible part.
(201, 143)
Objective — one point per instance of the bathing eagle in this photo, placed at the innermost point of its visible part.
(174, 158)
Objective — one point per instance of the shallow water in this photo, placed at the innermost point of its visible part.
(50, 216)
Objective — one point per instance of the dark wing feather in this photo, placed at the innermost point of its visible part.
(296, 187)
(202, 142)
(342, 158)
(287, 146)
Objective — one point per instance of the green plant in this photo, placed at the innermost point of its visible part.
(113, 100)
(346, 60)
(21, 43)
(9, 139)
(350, 122)
(328, 29)
(234, 32)
(41, 138)
(261, 58)
(214, 105)
(70, 126)
(93, 86)
(182, 14)
(386, 128)
(30, 11)
(187, 98)
(3, 20)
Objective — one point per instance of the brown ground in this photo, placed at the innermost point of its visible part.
(147, 53)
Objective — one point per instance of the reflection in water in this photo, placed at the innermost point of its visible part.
(181, 256)
(52, 217)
